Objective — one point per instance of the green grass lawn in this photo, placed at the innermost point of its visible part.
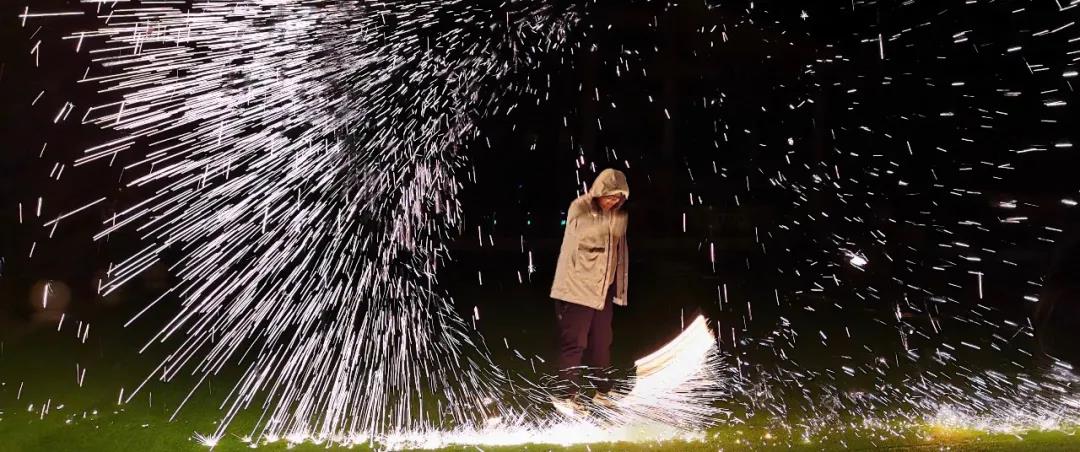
(144, 430)
(88, 418)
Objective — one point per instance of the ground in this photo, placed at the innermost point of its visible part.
(43, 361)
(147, 433)
(144, 425)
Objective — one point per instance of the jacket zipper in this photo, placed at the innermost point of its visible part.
(607, 261)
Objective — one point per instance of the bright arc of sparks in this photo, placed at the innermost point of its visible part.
(299, 158)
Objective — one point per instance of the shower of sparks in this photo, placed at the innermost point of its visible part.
(300, 158)
(666, 404)
(881, 162)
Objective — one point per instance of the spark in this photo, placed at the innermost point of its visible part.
(207, 440)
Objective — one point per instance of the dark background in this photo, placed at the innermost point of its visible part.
(771, 61)
(732, 106)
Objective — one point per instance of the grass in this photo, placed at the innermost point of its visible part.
(88, 418)
(144, 425)
(143, 430)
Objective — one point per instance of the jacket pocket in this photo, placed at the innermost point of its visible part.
(588, 256)
(589, 262)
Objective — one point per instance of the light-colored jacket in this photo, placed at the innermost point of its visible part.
(583, 273)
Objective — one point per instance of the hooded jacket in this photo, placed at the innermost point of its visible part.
(594, 252)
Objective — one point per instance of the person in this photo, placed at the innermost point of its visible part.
(590, 277)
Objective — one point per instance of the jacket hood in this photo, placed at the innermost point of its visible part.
(610, 182)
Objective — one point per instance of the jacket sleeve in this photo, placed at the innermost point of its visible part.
(570, 235)
(566, 249)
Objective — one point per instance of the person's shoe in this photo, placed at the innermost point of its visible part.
(568, 407)
(604, 400)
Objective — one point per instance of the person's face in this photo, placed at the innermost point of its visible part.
(610, 202)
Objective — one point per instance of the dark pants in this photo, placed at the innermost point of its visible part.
(585, 333)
